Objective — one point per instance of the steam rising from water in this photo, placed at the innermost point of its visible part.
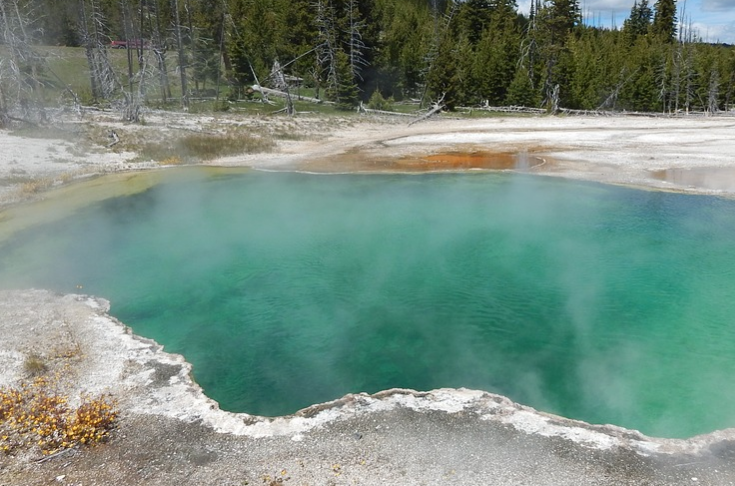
(599, 303)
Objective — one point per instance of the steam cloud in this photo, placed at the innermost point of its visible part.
(599, 303)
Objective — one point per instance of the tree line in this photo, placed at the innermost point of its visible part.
(466, 53)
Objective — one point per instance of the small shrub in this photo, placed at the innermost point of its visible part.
(377, 102)
(66, 177)
(85, 96)
(35, 186)
(34, 365)
(173, 160)
(222, 105)
(154, 151)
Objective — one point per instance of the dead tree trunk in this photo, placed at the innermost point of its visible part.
(182, 56)
(356, 44)
(281, 94)
(279, 81)
(714, 92)
(159, 50)
(88, 48)
(106, 77)
(326, 58)
(20, 70)
(129, 36)
(555, 100)
(611, 100)
(435, 108)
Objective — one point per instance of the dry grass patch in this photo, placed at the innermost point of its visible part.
(292, 135)
(36, 185)
(34, 365)
(208, 147)
(34, 415)
(174, 148)
(174, 160)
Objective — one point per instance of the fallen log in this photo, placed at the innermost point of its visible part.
(436, 108)
(512, 109)
(283, 94)
(361, 109)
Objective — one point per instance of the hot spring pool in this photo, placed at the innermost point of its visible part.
(600, 303)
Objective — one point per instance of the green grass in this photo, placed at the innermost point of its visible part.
(67, 68)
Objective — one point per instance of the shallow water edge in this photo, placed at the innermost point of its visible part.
(148, 380)
(171, 433)
(58, 202)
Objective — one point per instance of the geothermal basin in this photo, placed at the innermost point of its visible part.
(594, 302)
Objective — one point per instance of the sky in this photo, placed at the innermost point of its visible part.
(713, 20)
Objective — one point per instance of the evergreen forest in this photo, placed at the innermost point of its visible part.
(462, 53)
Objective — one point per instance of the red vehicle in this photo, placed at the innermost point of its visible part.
(131, 44)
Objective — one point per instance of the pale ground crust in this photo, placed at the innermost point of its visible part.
(171, 433)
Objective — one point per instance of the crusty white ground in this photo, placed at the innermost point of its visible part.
(620, 150)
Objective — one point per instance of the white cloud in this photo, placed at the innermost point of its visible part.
(608, 5)
(715, 32)
(603, 6)
(718, 5)
(714, 20)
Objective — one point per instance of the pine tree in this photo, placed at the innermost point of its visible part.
(646, 87)
(467, 86)
(400, 54)
(664, 20)
(497, 57)
(561, 17)
(585, 86)
(551, 31)
(468, 50)
(521, 91)
(442, 79)
(344, 92)
(473, 17)
(639, 21)
(206, 36)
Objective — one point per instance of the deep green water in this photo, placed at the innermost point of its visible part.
(600, 303)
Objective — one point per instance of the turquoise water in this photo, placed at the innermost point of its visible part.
(600, 303)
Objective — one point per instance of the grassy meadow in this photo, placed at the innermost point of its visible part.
(66, 69)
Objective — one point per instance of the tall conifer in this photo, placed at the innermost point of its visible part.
(664, 20)
(640, 19)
